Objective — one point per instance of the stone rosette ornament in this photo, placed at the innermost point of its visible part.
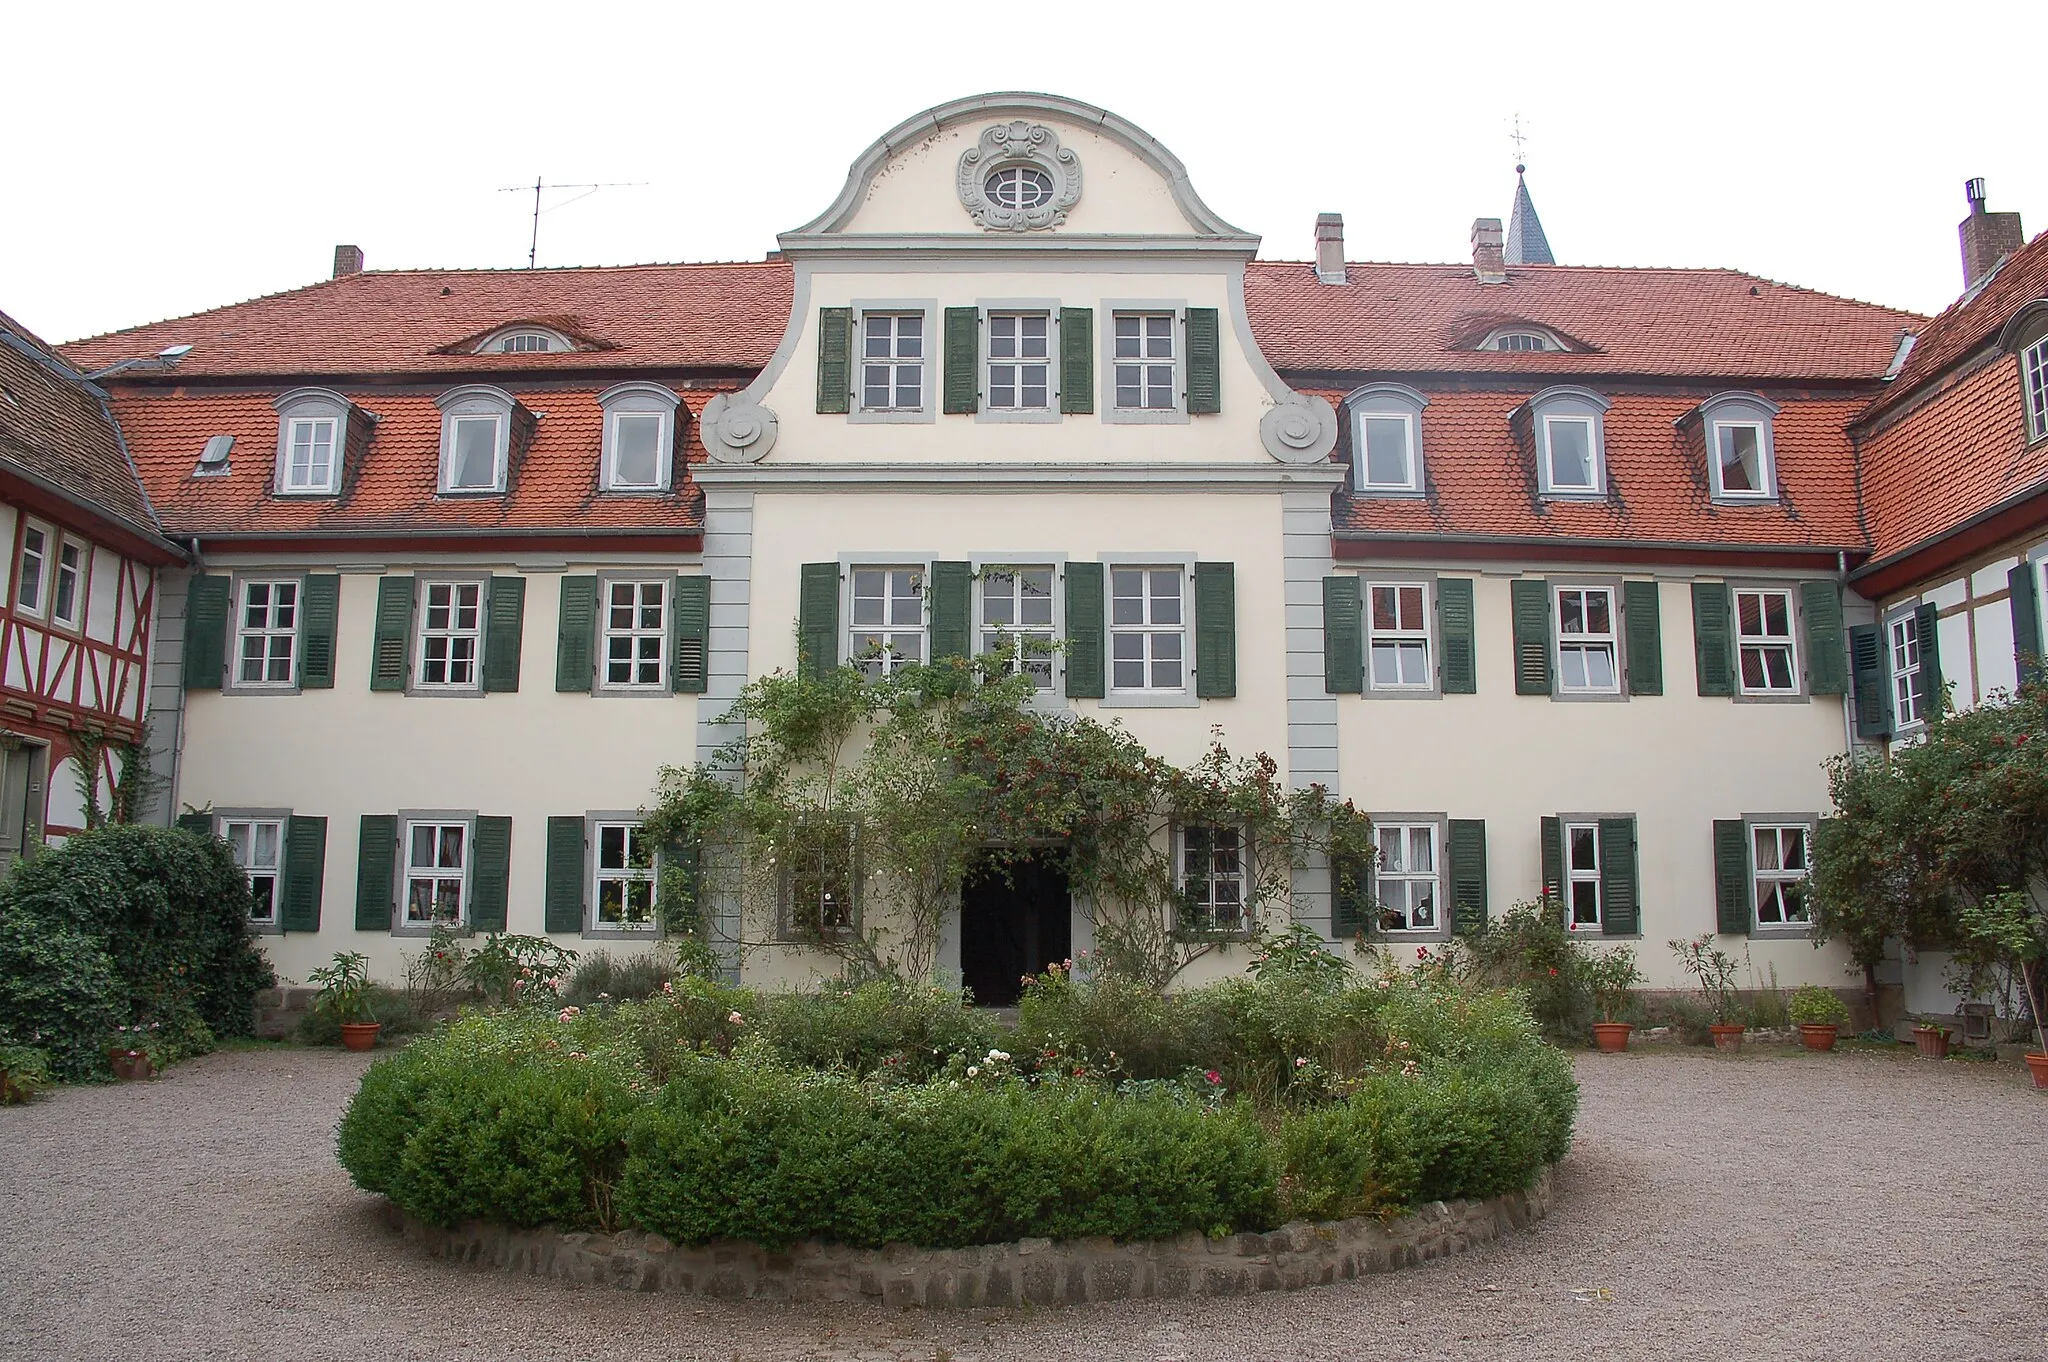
(1299, 429)
(737, 429)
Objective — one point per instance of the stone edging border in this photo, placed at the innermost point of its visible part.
(1030, 1271)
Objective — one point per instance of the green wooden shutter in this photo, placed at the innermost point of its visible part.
(1343, 636)
(504, 633)
(389, 649)
(1205, 362)
(206, 633)
(490, 873)
(1642, 615)
(1077, 360)
(1618, 908)
(1350, 893)
(1713, 639)
(376, 871)
(305, 873)
(952, 608)
(1215, 630)
(687, 858)
(1458, 625)
(564, 909)
(1084, 631)
(817, 619)
(576, 635)
(201, 823)
(1873, 698)
(1933, 694)
(1827, 666)
(1731, 876)
(1552, 836)
(1466, 857)
(963, 358)
(2026, 620)
(692, 609)
(1530, 599)
(319, 616)
(835, 359)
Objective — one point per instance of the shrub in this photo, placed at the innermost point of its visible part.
(1528, 947)
(600, 978)
(1813, 1005)
(24, 1071)
(394, 1010)
(510, 969)
(908, 1030)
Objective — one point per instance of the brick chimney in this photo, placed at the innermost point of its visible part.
(1489, 254)
(348, 260)
(1988, 238)
(1330, 248)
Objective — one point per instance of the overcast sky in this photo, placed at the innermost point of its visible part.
(181, 155)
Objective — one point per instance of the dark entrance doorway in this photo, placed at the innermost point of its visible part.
(1015, 919)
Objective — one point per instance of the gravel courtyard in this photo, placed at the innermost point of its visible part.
(1773, 1205)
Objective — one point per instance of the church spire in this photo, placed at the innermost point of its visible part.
(1526, 243)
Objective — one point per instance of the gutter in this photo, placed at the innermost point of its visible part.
(1555, 541)
(448, 532)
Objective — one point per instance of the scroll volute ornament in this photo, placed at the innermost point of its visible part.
(736, 429)
(1300, 429)
(1016, 143)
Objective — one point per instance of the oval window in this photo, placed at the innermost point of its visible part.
(1018, 188)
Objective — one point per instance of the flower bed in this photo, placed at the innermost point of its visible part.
(882, 1115)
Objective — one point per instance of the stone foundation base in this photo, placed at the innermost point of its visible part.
(279, 1010)
(1030, 1271)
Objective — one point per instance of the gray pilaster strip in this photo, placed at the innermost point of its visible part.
(1311, 710)
(165, 711)
(729, 562)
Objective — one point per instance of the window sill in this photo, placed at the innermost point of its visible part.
(1144, 700)
(1576, 697)
(1145, 416)
(1799, 931)
(647, 933)
(1389, 493)
(265, 929)
(446, 692)
(306, 493)
(469, 493)
(1741, 499)
(1742, 697)
(1403, 693)
(642, 492)
(245, 688)
(862, 416)
(423, 930)
(1018, 416)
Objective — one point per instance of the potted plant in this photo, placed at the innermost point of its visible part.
(1714, 968)
(1819, 1014)
(2009, 928)
(128, 1051)
(1932, 1040)
(1612, 975)
(345, 995)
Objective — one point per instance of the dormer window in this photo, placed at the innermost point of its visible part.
(1569, 429)
(525, 340)
(1522, 338)
(1386, 440)
(1741, 462)
(312, 440)
(476, 437)
(2034, 365)
(639, 437)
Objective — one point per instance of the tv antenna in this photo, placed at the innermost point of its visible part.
(533, 244)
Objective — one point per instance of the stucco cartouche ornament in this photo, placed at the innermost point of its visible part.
(1299, 429)
(1019, 143)
(737, 429)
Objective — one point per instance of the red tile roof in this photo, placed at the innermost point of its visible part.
(1971, 320)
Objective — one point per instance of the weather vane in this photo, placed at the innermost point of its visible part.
(1518, 137)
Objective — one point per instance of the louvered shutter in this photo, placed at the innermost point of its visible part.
(576, 635)
(376, 871)
(1215, 630)
(1077, 360)
(963, 356)
(1552, 838)
(319, 617)
(1466, 858)
(692, 608)
(1530, 600)
(1873, 698)
(1084, 631)
(1642, 616)
(1205, 362)
(305, 873)
(1927, 629)
(564, 907)
(1343, 636)
(206, 633)
(388, 650)
(504, 633)
(1827, 666)
(1731, 876)
(2026, 620)
(1457, 625)
(1350, 894)
(1713, 639)
(835, 359)
(490, 873)
(817, 619)
(952, 608)
(1619, 914)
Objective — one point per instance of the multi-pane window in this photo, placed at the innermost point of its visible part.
(1397, 628)
(1582, 876)
(635, 634)
(2034, 364)
(436, 879)
(1904, 637)
(1389, 462)
(527, 343)
(1520, 340)
(258, 845)
(1739, 459)
(451, 634)
(888, 618)
(35, 559)
(309, 454)
(267, 633)
(1571, 460)
(1763, 627)
(1144, 361)
(1587, 656)
(892, 361)
(1018, 361)
(1779, 862)
(636, 450)
(67, 598)
(1018, 187)
(1016, 620)
(1147, 632)
(1405, 885)
(819, 893)
(624, 889)
(1212, 877)
(473, 454)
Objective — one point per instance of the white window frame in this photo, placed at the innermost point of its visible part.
(424, 633)
(1146, 365)
(81, 579)
(986, 633)
(450, 463)
(1586, 641)
(1150, 630)
(1901, 675)
(895, 361)
(1568, 402)
(1765, 490)
(1115, 310)
(2034, 388)
(1398, 636)
(637, 399)
(1019, 363)
(270, 632)
(889, 660)
(1778, 879)
(1205, 901)
(1412, 481)
(1498, 341)
(636, 634)
(1594, 461)
(42, 555)
(624, 876)
(476, 402)
(224, 826)
(291, 481)
(1575, 875)
(435, 873)
(1404, 873)
(1747, 642)
(614, 477)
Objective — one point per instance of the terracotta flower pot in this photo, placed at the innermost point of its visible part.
(360, 1035)
(1727, 1035)
(2038, 1063)
(129, 1067)
(1611, 1036)
(1932, 1040)
(1817, 1035)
